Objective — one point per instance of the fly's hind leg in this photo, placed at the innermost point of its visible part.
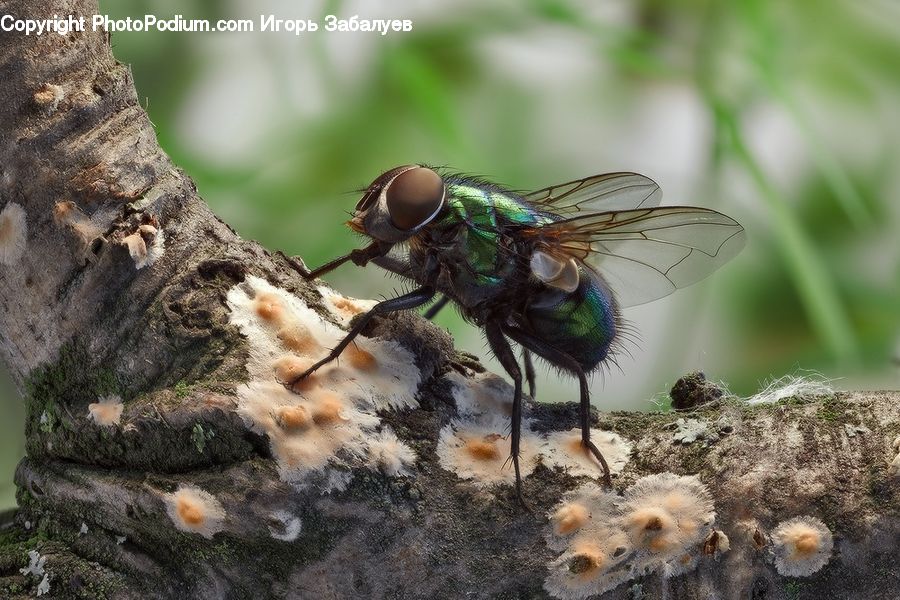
(504, 353)
(585, 414)
(568, 363)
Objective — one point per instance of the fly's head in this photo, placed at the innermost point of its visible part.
(399, 203)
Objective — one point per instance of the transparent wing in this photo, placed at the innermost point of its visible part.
(598, 193)
(648, 253)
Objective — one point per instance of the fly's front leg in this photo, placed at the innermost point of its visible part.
(408, 301)
(359, 257)
(568, 363)
(504, 353)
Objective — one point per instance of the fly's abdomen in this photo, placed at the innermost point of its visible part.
(581, 323)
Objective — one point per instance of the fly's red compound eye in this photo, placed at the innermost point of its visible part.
(374, 190)
(414, 197)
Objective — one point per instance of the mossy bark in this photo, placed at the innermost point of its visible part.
(80, 322)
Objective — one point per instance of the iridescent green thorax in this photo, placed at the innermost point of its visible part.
(486, 208)
(486, 213)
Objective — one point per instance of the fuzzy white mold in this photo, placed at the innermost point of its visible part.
(107, 412)
(801, 546)
(154, 251)
(48, 96)
(478, 450)
(659, 525)
(195, 510)
(564, 449)
(328, 422)
(595, 550)
(590, 567)
(716, 543)
(388, 454)
(665, 514)
(481, 394)
(476, 444)
(13, 234)
(343, 308)
(581, 512)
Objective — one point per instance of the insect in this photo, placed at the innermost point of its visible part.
(548, 270)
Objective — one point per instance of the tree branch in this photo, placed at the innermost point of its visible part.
(132, 296)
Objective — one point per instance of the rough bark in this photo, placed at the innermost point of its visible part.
(79, 322)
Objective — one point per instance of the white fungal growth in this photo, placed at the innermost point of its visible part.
(107, 412)
(481, 394)
(662, 524)
(344, 308)
(590, 567)
(137, 248)
(564, 449)
(666, 514)
(13, 234)
(195, 510)
(390, 455)
(810, 385)
(478, 450)
(801, 546)
(476, 444)
(328, 423)
(581, 512)
(854, 430)
(286, 526)
(335, 481)
(595, 551)
(84, 529)
(35, 564)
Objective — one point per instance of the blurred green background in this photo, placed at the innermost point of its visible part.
(782, 115)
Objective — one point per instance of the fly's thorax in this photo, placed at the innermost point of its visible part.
(399, 203)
